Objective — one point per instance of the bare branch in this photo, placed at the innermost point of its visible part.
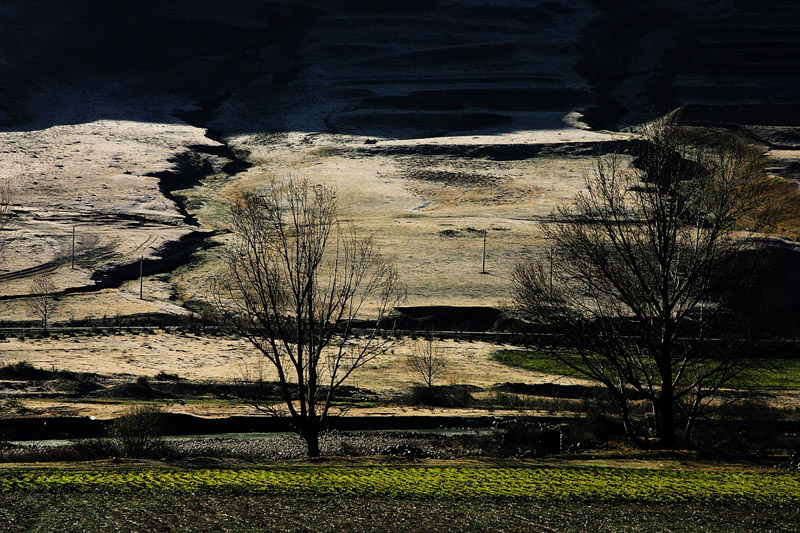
(43, 301)
(294, 283)
(647, 261)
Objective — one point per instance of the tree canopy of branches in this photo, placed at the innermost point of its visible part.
(636, 292)
(43, 301)
(294, 283)
(427, 361)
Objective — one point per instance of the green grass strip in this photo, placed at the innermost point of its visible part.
(761, 374)
(536, 361)
(565, 484)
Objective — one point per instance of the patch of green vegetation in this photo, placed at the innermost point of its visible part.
(204, 202)
(759, 374)
(548, 484)
(537, 361)
(769, 374)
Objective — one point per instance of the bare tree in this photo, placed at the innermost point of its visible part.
(427, 362)
(638, 290)
(43, 301)
(295, 282)
(139, 431)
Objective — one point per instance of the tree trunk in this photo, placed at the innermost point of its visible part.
(691, 420)
(311, 436)
(627, 424)
(665, 404)
(665, 411)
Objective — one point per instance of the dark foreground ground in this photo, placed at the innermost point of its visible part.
(202, 512)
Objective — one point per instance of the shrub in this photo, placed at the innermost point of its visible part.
(24, 371)
(81, 450)
(138, 433)
(405, 450)
(441, 395)
(94, 449)
(527, 436)
(36, 453)
(166, 376)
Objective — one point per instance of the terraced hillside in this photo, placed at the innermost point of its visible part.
(436, 120)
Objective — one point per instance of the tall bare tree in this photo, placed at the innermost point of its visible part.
(647, 261)
(295, 282)
(43, 301)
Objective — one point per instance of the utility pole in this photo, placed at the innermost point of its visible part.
(483, 265)
(73, 247)
(141, 278)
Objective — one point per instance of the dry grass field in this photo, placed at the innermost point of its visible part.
(428, 215)
(125, 133)
(480, 119)
(202, 358)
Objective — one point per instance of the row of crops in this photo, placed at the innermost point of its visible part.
(568, 484)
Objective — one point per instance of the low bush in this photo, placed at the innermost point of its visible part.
(24, 371)
(525, 436)
(757, 406)
(95, 449)
(441, 395)
(138, 433)
(405, 450)
(37, 453)
(166, 376)
(525, 402)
